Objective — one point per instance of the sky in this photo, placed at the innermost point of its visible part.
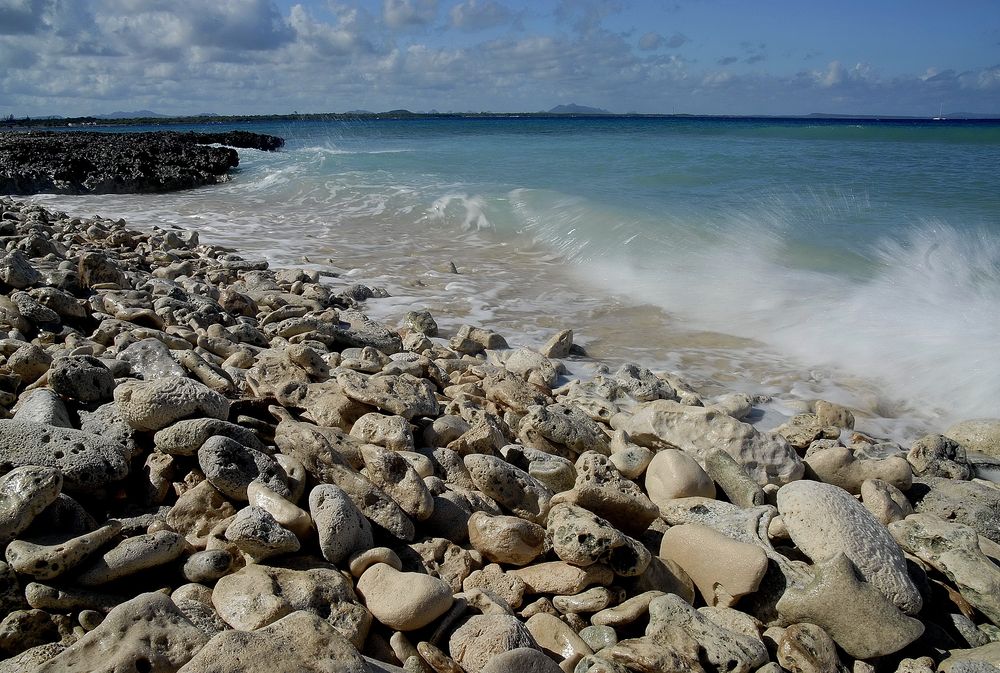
(907, 57)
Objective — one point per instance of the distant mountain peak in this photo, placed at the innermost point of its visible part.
(574, 109)
(135, 114)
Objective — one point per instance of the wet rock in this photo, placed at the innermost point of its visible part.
(153, 405)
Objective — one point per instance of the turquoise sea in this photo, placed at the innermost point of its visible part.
(853, 260)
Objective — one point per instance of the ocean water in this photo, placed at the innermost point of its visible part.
(854, 261)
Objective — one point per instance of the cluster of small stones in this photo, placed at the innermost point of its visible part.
(211, 466)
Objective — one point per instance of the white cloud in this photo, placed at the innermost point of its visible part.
(408, 13)
(473, 15)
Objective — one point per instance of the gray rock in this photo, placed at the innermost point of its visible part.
(580, 537)
(231, 466)
(148, 633)
(421, 321)
(185, 437)
(404, 395)
(258, 595)
(151, 359)
(728, 650)
(46, 561)
(133, 555)
(24, 493)
(939, 456)
(106, 421)
(87, 461)
(258, 535)
(207, 566)
(29, 362)
(153, 405)
(341, 526)
(980, 434)
(372, 501)
(825, 520)
(17, 271)
(602, 489)
(513, 488)
(24, 629)
(734, 480)
(859, 618)
(953, 549)
(82, 377)
(300, 642)
(43, 405)
(967, 502)
(484, 637)
(396, 476)
(564, 426)
(767, 457)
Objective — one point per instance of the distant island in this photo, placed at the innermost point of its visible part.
(574, 109)
(150, 118)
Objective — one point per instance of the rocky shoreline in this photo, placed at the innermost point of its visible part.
(210, 465)
(81, 162)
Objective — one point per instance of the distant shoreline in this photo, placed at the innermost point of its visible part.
(88, 122)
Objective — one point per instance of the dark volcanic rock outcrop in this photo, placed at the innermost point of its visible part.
(119, 163)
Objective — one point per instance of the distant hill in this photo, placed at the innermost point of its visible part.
(135, 114)
(574, 109)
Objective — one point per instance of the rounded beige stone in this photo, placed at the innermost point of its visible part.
(722, 568)
(506, 539)
(402, 600)
(674, 474)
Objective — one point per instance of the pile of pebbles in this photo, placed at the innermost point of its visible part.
(212, 466)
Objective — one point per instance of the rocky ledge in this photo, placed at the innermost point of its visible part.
(210, 465)
(119, 163)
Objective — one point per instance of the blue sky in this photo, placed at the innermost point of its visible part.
(78, 57)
